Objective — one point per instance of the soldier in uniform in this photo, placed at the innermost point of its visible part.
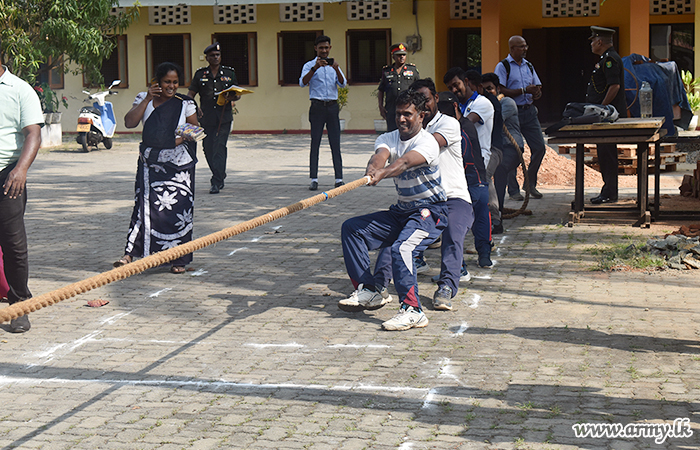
(396, 78)
(216, 120)
(607, 87)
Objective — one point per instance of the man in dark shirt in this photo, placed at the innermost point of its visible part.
(607, 87)
(214, 118)
(395, 79)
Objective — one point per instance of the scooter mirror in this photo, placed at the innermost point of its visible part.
(115, 83)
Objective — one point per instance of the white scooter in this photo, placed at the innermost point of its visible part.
(97, 123)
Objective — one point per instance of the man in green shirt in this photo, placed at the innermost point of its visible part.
(20, 136)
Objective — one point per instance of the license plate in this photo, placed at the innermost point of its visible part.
(83, 127)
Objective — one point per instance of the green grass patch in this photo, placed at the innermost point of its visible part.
(624, 256)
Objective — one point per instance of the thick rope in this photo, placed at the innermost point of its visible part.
(526, 182)
(35, 303)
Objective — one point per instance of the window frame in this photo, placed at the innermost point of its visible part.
(252, 48)
(187, 57)
(123, 75)
(348, 52)
(57, 71)
(280, 55)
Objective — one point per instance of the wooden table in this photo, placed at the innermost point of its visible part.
(624, 131)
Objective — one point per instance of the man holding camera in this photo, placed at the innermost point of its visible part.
(323, 76)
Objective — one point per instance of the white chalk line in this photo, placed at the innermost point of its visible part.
(462, 328)
(218, 384)
(157, 293)
(476, 298)
(237, 250)
(198, 273)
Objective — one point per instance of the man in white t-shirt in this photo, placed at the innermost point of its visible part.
(416, 220)
(460, 215)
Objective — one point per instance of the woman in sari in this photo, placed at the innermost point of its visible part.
(162, 215)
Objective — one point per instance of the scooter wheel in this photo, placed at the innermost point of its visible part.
(84, 141)
(107, 142)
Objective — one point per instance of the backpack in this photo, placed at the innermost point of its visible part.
(506, 64)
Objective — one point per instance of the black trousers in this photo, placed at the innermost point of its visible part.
(391, 118)
(509, 163)
(214, 146)
(607, 157)
(325, 114)
(13, 240)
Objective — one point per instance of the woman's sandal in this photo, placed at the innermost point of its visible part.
(177, 269)
(124, 260)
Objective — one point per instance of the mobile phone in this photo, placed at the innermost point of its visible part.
(329, 61)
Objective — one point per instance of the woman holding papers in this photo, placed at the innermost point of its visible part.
(163, 209)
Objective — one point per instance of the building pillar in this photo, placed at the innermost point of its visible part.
(491, 34)
(639, 27)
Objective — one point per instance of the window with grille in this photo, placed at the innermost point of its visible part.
(294, 49)
(174, 48)
(570, 8)
(230, 14)
(169, 15)
(368, 10)
(668, 7)
(465, 9)
(367, 53)
(240, 51)
(301, 12)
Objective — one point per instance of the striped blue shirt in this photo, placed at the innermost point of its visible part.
(420, 185)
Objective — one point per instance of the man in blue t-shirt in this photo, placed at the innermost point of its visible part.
(409, 226)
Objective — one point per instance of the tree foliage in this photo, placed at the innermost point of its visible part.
(40, 35)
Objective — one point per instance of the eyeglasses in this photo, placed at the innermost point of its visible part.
(525, 46)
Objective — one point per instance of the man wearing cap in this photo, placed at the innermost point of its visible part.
(519, 80)
(323, 76)
(396, 78)
(216, 120)
(607, 87)
(21, 120)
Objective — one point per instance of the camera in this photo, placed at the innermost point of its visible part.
(329, 61)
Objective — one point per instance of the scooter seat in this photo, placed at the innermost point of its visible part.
(90, 109)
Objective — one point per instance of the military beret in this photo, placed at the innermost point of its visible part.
(601, 32)
(215, 46)
(398, 49)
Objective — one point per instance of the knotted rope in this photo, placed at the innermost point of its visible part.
(526, 182)
(35, 303)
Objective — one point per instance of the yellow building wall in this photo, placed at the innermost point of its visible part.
(273, 107)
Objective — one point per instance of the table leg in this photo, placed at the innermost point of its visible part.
(643, 183)
(657, 179)
(578, 190)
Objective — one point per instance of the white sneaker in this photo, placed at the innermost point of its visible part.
(406, 319)
(363, 299)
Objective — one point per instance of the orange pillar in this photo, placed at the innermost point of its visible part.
(490, 34)
(639, 27)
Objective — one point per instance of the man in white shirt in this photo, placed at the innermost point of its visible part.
(416, 220)
(460, 215)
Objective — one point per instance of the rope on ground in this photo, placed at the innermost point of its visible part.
(526, 182)
(35, 303)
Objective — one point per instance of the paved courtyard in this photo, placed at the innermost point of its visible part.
(249, 350)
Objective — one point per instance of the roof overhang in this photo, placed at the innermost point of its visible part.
(207, 2)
